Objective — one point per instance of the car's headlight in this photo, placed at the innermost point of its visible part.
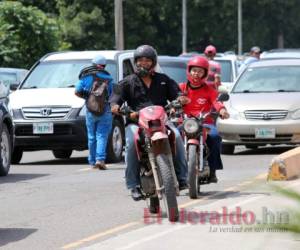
(190, 126)
(82, 111)
(296, 114)
(235, 114)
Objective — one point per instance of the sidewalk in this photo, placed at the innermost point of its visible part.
(233, 222)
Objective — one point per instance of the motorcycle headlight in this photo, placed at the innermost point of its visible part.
(190, 126)
(82, 111)
(296, 114)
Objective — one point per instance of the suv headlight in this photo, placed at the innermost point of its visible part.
(296, 114)
(82, 111)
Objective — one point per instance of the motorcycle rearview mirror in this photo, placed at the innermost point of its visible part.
(223, 97)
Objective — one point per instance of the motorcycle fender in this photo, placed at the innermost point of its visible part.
(193, 141)
(159, 136)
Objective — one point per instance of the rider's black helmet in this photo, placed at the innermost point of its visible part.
(145, 51)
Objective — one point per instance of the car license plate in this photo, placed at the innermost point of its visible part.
(43, 128)
(265, 133)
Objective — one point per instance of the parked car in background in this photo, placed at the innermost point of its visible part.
(280, 54)
(12, 77)
(175, 67)
(6, 131)
(264, 106)
(47, 114)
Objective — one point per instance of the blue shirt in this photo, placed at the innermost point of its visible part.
(85, 84)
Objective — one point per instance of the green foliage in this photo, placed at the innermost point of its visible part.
(294, 225)
(25, 34)
(87, 25)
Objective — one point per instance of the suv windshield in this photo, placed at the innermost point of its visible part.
(61, 74)
(269, 79)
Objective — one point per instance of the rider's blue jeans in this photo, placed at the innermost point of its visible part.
(132, 163)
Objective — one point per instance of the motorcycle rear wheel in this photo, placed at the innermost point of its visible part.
(193, 158)
(169, 192)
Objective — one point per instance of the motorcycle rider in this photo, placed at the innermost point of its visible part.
(145, 88)
(214, 73)
(198, 97)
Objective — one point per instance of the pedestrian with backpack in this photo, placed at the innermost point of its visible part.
(95, 86)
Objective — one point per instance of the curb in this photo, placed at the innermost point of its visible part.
(285, 166)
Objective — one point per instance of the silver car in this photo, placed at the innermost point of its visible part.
(264, 106)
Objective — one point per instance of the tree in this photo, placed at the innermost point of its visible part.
(87, 25)
(25, 34)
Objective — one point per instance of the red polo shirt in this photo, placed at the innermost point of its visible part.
(203, 99)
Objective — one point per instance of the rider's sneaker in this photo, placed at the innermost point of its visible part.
(183, 185)
(213, 178)
(101, 165)
(136, 194)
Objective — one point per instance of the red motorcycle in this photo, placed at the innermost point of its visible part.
(195, 133)
(155, 143)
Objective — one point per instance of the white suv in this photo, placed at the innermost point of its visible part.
(47, 114)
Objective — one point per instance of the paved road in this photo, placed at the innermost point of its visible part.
(53, 204)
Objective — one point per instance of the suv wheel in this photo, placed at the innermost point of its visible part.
(5, 151)
(62, 153)
(227, 149)
(115, 142)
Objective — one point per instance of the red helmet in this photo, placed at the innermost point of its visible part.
(201, 62)
(210, 50)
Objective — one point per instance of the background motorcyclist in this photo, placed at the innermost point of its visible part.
(145, 88)
(214, 73)
(200, 97)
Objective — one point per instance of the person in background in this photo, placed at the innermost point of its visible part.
(214, 73)
(254, 56)
(98, 126)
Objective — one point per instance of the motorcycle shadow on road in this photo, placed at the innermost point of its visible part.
(219, 195)
(16, 177)
(9, 235)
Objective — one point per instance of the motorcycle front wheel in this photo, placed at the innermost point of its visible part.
(169, 191)
(193, 159)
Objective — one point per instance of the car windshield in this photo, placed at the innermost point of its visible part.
(8, 78)
(175, 70)
(61, 74)
(226, 70)
(269, 79)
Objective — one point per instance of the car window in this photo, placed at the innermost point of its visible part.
(4, 90)
(60, 74)
(8, 78)
(226, 70)
(175, 70)
(128, 69)
(269, 79)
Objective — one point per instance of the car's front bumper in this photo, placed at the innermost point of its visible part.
(243, 132)
(67, 134)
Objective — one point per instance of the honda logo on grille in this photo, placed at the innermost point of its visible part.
(45, 111)
(266, 116)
